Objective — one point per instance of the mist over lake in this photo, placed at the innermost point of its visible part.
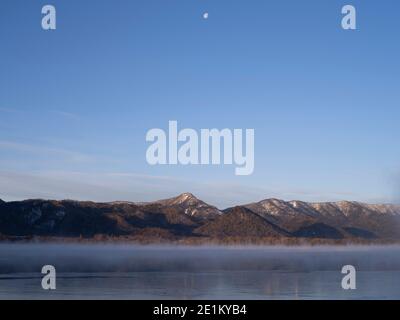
(156, 272)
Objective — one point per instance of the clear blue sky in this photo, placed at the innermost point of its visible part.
(76, 103)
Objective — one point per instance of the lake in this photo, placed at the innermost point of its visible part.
(156, 272)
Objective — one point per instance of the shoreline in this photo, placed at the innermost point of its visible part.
(200, 242)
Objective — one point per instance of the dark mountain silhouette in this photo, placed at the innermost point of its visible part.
(241, 222)
(186, 217)
(319, 230)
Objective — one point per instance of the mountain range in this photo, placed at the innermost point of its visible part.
(188, 219)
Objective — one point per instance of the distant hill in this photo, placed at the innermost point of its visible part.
(191, 206)
(189, 219)
(241, 222)
(348, 218)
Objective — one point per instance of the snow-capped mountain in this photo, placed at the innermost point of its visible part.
(186, 216)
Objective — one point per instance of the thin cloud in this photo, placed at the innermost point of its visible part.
(44, 151)
(60, 113)
(126, 186)
(67, 115)
(81, 186)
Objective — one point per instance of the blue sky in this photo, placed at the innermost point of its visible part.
(76, 103)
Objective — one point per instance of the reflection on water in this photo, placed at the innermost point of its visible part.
(135, 272)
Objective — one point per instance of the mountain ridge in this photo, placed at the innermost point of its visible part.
(186, 216)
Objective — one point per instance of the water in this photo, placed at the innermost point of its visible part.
(135, 272)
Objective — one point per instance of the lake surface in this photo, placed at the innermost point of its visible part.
(149, 272)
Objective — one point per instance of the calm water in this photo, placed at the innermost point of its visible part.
(134, 272)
